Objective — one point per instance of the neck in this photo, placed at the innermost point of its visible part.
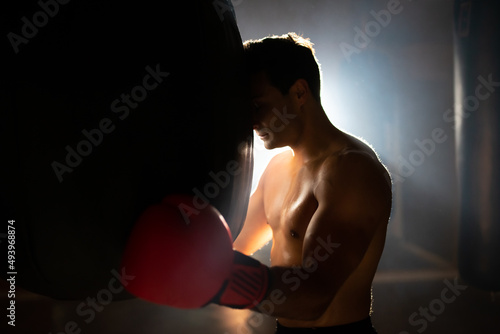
(319, 136)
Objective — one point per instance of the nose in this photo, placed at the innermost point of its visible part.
(255, 120)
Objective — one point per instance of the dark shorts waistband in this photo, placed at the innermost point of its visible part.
(359, 327)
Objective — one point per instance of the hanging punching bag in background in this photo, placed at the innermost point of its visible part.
(106, 108)
(477, 101)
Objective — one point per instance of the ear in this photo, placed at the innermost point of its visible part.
(300, 90)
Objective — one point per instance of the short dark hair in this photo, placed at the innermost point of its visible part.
(284, 59)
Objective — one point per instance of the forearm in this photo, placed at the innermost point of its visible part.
(295, 293)
(256, 231)
(249, 241)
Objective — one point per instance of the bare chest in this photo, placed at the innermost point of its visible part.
(289, 204)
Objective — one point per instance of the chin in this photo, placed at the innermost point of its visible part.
(270, 145)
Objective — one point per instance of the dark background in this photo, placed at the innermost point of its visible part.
(393, 93)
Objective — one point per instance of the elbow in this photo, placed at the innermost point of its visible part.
(309, 313)
(306, 309)
(319, 301)
(313, 309)
(317, 311)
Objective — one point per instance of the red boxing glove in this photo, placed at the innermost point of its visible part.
(187, 261)
(246, 286)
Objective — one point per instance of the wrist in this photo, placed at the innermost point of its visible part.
(247, 285)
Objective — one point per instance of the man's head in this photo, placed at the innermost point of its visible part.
(284, 59)
(285, 77)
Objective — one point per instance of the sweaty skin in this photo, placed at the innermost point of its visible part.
(325, 204)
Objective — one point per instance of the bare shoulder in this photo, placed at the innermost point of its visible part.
(355, 174)
(275, 165)
(279, 161)
(356, 160)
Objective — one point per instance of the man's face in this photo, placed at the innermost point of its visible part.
(273, 113)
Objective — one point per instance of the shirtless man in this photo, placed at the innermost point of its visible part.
(325, 203)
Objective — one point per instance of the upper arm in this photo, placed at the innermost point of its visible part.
(353, 200)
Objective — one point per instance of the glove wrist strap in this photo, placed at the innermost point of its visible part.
(247, 285)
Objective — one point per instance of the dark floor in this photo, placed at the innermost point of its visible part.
(417, 298)
(409, 281)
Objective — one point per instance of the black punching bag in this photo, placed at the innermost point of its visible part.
(106, 108)
(477, 101)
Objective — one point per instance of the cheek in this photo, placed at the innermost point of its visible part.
(273, 115)
(266, 117)
(283, 121)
